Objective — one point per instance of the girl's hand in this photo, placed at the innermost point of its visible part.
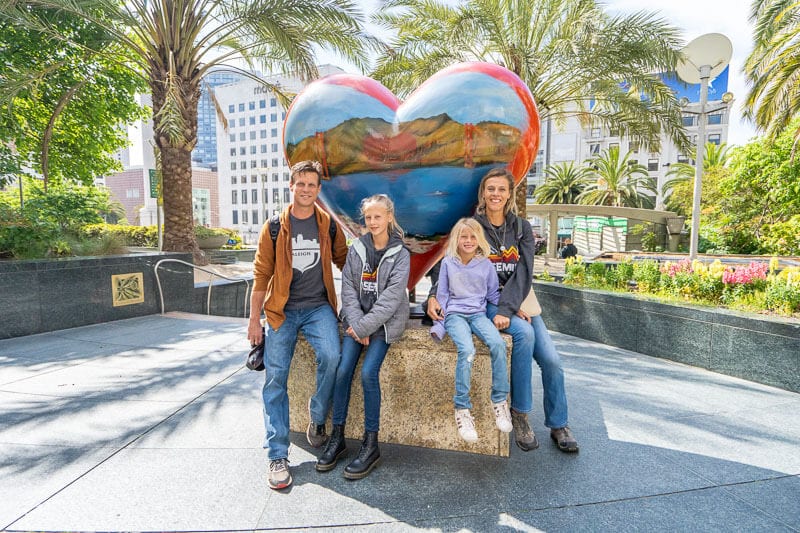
(364, 341)
(524, 316)
(501, 322)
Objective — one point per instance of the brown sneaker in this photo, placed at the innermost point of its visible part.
(315, 433)
(564, 439)
(523, 434)
(279, 476)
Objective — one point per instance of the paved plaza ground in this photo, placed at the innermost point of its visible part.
(153, 424)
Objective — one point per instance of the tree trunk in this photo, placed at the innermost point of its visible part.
(176, 169)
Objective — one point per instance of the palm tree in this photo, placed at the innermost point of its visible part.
(174, 43)
(563, 183)
(716, 156)
(619, 181)
(577, 60)
(772, 67)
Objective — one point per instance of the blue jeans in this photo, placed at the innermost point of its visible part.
(460, 328)
(321, 330)
(374, 354)
(533, 342)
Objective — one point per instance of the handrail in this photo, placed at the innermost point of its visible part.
(210, 284)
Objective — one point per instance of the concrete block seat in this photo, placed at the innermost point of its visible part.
(417, 386)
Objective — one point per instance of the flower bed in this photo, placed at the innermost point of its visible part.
(756, 287)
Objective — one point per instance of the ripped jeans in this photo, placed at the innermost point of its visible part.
(460, 328)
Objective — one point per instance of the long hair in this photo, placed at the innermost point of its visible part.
(499, 172)
(387, 203)
(475, 227)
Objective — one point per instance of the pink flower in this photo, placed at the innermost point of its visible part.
(672, 269)
(745, 274)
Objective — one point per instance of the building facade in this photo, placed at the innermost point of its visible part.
(252, 169)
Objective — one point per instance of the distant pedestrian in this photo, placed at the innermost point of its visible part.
(569, 249)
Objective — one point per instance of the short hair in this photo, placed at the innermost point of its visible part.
(306, 166)
(499, 172)
(476, 228)
(387, 203)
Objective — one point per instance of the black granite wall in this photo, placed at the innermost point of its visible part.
(762, 349)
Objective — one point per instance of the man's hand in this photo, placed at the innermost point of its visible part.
(501, 322)
(254, 332)
(524, 316)
(434, 309)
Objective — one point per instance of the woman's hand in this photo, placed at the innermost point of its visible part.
(501, 322)
(434, 309)
(524, 316)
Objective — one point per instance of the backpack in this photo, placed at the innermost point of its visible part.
(275, 228)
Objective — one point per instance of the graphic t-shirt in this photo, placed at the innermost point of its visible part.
(307, 289)
(369, 278)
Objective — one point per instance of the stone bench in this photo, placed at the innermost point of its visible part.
(417, 386)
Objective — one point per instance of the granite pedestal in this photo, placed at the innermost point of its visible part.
(417, 385)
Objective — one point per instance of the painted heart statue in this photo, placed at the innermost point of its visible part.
(428, 154)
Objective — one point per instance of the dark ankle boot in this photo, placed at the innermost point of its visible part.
(367, 458)
(335, 449)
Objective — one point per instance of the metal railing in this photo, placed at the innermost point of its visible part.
(210, 284)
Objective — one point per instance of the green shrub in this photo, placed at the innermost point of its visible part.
(647, 275)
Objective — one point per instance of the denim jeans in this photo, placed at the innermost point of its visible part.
(460, 328)
(374, 353)
(533, 342)
(321, 330)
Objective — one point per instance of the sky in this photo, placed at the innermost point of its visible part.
(695, 18)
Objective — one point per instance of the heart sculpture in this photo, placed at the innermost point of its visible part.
(428, 153)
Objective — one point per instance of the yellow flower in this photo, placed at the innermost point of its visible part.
(773, 264)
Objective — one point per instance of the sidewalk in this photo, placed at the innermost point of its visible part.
(153, 424)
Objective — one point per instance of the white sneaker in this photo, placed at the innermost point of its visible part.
(502, 416)
(466, 425)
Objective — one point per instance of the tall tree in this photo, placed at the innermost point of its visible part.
(67, 122)
(715, 156)
(577, 60)
(563, 183)
(173, 43)
(772, 68)
(618, 181)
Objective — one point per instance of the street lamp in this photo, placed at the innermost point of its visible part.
(703, 60)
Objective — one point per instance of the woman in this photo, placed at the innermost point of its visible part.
(511, 240)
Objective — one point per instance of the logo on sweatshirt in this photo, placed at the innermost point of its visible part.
(305, 253)
(369, 279)
(505, 261)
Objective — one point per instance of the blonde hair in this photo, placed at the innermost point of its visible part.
(511, 205)
(475, 227)
(387, 203)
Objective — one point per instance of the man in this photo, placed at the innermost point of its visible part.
(293, 284)
(569, 249)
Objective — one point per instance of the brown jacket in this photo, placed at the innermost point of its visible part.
(274, 274)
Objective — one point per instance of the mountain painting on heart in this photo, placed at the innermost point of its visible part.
(428, 153)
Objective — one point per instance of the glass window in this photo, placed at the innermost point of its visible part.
(274, 147)
(613, 132)
(595, 133)
(652, 165)
(264, 163)
(263, 178)
(241, 121)
(233, 180)
(254, 196)
(274, 162)
(274, 132)
(233, 165)
(252, 148)
(241, 107)
(242, 136)
(252, 135)
(233, 151)
(715, 118)
(233, 137)
(244, 196)
(262, 119)
(231, 108)
(273, 117)
(234, 197)
(263, 134)
(242, 165)
(264, 194)
(632, 162)
(235, 216)
(283, 115)
(252, 120)
(242, 150)
(276, 196)
(714, 138)
(285, 176)
(683, 158)
(253, 163)
(594, 148)
(275, 177)
(264, 149)
(251, 105)
(254, 220)
(254, 178)
(273, 102)
(286, 195)
(688, 120)
(262, 104)
(244, 216)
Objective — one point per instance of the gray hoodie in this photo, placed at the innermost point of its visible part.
(390, 308)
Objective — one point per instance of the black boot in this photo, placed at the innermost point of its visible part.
(335, 449)
(367, 458)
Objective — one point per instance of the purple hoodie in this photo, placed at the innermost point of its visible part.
(465, 289)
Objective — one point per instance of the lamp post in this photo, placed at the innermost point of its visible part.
(703, 60)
